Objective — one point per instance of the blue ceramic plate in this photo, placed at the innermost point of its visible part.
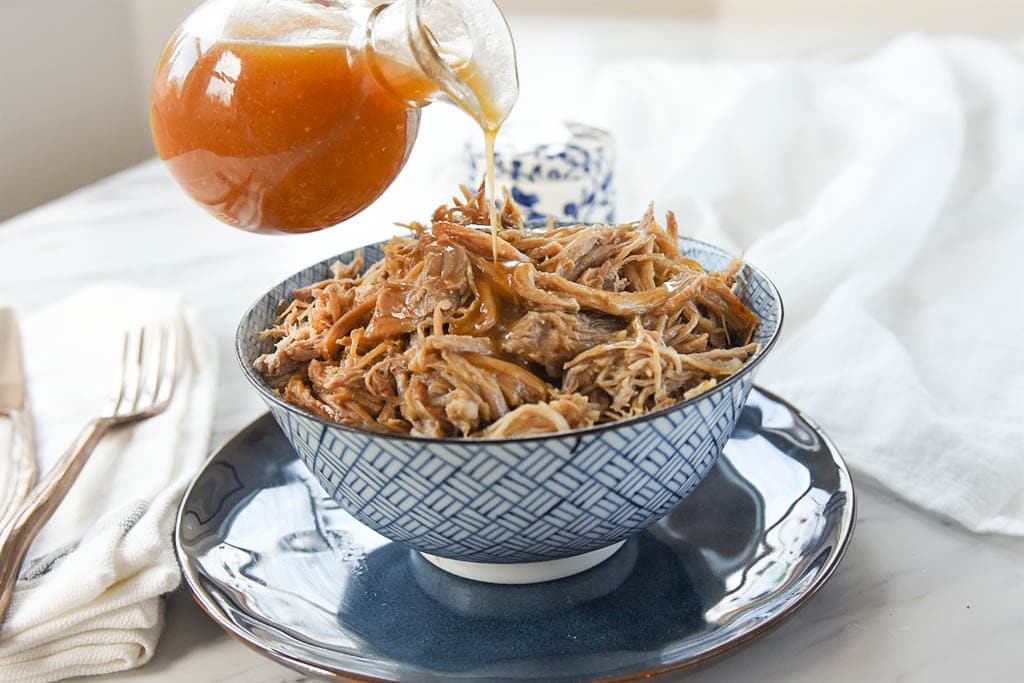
(276, 562)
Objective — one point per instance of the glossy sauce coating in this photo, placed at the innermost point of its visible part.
(278, 138)
(496, 309)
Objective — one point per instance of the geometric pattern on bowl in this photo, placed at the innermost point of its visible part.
(520, 499)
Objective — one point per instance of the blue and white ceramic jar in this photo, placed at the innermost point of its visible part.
(556, 169)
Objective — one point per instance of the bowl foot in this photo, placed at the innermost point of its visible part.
(524, 572)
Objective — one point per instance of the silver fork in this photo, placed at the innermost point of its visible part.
(149, 369)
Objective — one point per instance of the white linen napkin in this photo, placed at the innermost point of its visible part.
(885, 197)
(89, 597)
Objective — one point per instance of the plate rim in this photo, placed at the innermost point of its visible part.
(214, 612)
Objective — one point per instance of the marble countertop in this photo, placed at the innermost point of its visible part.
(915, 600)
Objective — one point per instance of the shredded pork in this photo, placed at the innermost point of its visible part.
(570, 327)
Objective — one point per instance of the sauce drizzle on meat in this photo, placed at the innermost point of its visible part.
(567, 327)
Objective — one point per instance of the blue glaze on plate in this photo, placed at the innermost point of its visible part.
(277, 562)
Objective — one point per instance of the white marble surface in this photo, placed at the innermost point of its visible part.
(916, 600)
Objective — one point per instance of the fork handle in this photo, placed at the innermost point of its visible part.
(37, 509)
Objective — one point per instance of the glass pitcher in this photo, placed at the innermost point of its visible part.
(293, 115)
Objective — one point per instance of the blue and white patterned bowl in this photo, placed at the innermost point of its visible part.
(534, 499)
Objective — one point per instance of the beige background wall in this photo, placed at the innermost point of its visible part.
(74, 74)
(965, 16)
(73, 78)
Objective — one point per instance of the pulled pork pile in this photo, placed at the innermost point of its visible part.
(569, 327)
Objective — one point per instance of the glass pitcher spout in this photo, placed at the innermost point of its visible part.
(459, 51)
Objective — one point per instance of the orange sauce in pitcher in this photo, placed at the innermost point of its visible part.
(279, 138)
(290, 138)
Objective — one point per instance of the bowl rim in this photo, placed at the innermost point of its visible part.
(272, 397)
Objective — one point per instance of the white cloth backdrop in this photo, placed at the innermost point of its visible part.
(886, 199)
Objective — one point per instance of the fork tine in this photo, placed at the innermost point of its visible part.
(124, 369)
(131, 373)
(142, 360)
(173, 355)
(161, 363)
